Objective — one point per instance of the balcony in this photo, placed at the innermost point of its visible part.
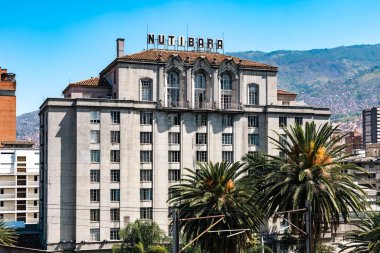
(7, 196)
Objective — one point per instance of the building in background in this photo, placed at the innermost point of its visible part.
(7, 106)
(112, 147)
(354, 141)
(19, 162)
(371, 126)
(19, 182)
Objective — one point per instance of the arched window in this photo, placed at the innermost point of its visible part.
(199, 90)
(173, 89)
(146, 89)
(226, 91)
(253, 94)
(226, 82)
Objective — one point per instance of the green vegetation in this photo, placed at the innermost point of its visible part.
(311, 171)
(141, 237)
(217, 189)
(8, 235)
(365, 239)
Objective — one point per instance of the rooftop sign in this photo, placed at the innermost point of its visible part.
(184, 43)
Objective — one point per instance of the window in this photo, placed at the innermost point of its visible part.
(1, 203)
(146, 194)
(253, 94)
(282, 155)
(201, 156)
(145, 138)
(227, 139)
(199, 90)
(146, 89)
(299, 120)
(36, 178)
(95, 176)
(253, 121)
(173, 89)
(115, 214)
(201, 120)
(115, 156)
(35, 215)
(114, 234)
(227, 120)
(253, 139)
(282, 139)
(146, 213)
(95, 136)
(115, 176)
(94, 234)
(94, 195)
(115, 117)
(201, 138)
(285, 103)
(35, 203)
(95, 117)
(146, 118)
(174, 175)
(173, 138)
(145, 175)
(115, 137)
(94, 215)
(174, 156)
(228, 156)
(145, 156)
(35, 190)
(282, 122)
(115, 195)
(95, 156)
(226, 91)
(173, 119)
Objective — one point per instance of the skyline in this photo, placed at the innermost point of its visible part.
(49, 45)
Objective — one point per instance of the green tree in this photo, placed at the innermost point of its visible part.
(365, 239)
(8, 235)
(311, 170)
(157, 249)
(138, 236)
(217, 189)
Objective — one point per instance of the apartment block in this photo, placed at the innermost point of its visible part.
(19, 182)
(371, 126)
(112, 147)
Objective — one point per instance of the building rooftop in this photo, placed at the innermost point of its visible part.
(93, 82)
(160, 55)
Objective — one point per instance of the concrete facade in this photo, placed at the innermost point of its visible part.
(148, 136)
(371, 126)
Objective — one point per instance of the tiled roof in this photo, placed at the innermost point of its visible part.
(93, 82)
(284, 92)
(156, 55)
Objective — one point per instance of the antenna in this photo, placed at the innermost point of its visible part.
(223, 42)
(147, 32)
(187, 37)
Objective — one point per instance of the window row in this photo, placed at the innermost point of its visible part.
(114, 214)
(95, 176)
(114, 156)
(95, 234)
(95, 117)
(95, 136)
(95, 195)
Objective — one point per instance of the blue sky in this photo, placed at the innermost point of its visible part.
(50, 43)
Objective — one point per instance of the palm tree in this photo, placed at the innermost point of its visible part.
(311, 170)
(8, 236)
(217, 189)
(366, 239)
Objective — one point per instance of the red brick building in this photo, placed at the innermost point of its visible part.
(7, 106)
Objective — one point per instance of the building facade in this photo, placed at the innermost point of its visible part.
(112, 147)
(7, 106)
(371, 126)
(19, 182)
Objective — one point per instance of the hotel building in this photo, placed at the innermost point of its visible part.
(115, 143)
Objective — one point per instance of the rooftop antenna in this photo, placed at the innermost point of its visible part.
(187, 37)
(147, 32)
(223, 43)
